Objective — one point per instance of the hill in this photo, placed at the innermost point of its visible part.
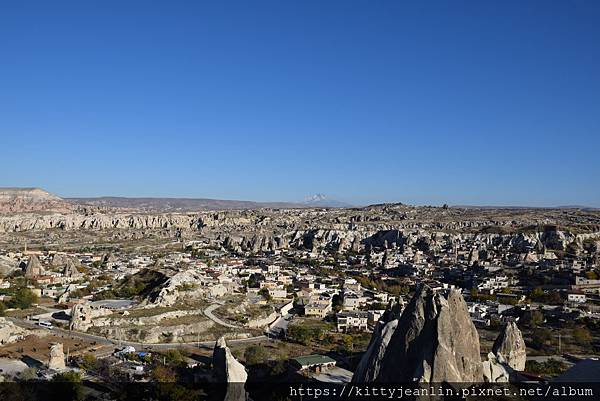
(23, 200)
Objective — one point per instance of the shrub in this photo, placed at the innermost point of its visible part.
(23, 299)
(255, 354)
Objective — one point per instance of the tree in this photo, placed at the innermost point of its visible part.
(540, 337)
(164, 374)
(537, 294)
(278, 368)
(69, 385)
(536, 318)
(551, 367)
(264, 292)
(89, 362)
(582, 336)
(337, 302)
(255, 354)
(174, 357)
(348, 343)
(300, 334)
(23, 299)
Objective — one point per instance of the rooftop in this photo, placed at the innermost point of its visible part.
(314, 359)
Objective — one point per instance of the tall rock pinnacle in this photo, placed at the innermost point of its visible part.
(433, 341)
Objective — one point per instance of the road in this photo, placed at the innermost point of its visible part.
(138, 345)
(280, 325)
(561, 358)
(209, 314)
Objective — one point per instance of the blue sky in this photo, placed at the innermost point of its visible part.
(494, 102)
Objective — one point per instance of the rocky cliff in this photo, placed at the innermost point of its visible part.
(511, 347)
(228, 370)
(434, 341)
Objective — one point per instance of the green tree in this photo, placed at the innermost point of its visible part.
(23, 299)
(175, 357)
(300, 334)
(255, 354)
(540, 337)
(69, 385)
(348, 343)
(582, 336)
(536, 318)
(537, 294)
(265, 294)
(89, 362)
(164, 374)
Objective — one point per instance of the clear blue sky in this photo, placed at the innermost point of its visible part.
(475, 102)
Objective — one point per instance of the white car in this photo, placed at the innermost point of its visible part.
(45, 324)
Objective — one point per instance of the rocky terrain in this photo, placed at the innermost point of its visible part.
(434, 341)
(23, 200)
(384, 226)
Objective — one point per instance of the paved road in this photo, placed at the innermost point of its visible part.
(209, 314)
(138, 345)
(280, 325)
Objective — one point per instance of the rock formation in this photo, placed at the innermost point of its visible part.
(495, 369)
(57, 357)
(25, 200)
(370, 365)
(9, 332)
(70, 265)
(82, 315)
(511, 347)
(507, 357)
(34, 267)
(7, 266)
(228, 370)
(433, 341)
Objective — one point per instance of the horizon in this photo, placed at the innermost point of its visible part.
(306, 200)
(462, 103)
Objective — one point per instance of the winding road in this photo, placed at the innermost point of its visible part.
(146, 346)
(209, 314)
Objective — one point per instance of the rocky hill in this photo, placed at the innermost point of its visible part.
(179, 204)
(27, 200)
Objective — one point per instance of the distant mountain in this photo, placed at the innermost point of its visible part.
(321, 200)
(180, 204)
(24, 200)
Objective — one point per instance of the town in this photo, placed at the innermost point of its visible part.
(286, 295)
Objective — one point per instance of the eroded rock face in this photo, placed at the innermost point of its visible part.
(511, 347)
(7, 266)
(495, 370)
(172, 287)
(34, 267)
(9, 332)
(57, 357)
(370, 365)
(227, 369)
(82, 315)
(70, 265)
(433, 341)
